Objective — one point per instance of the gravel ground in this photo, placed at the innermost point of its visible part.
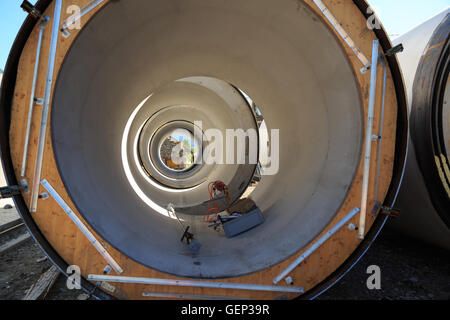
(8, 215)
(410, 270)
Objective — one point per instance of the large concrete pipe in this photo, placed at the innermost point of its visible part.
(425, 194)
(132, 83)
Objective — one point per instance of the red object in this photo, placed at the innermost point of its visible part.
(214, 210)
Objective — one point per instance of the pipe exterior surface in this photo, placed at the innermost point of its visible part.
(424, 198)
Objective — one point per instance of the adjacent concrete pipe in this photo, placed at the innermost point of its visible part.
(425, 195)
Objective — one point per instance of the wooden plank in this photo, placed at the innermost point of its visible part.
(14, 243)
(40, 289)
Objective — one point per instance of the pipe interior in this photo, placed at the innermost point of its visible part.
(279, 53)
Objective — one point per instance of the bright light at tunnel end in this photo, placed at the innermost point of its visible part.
(221, 150)
(262, 150)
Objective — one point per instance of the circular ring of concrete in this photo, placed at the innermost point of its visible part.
(216, 105)
(150, 142)
(288, 62)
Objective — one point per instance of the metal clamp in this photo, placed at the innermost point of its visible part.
(11, 191)
(397, 49)
(30, 9)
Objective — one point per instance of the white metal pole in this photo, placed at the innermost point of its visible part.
(368, 140)
(82, 227)
(46, 105)
(193, 283)
(315, 246)
(33, 95)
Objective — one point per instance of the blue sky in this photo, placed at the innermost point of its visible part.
(397, 16)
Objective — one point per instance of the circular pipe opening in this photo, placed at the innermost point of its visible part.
(285, 59)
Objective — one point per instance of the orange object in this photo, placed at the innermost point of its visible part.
(214, 209)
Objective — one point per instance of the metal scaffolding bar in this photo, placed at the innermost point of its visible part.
(82, 227)
(192, 283)
(46, 105)
(368, 139)
(316, 245)
(42, 25)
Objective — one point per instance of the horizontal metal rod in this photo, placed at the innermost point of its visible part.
(192, 283)
(82, 227)
(188, 296)
(345, 36)
(315, 246)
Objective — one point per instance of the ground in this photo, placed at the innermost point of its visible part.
(410, 270)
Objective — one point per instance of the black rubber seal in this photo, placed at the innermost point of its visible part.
(6, 98)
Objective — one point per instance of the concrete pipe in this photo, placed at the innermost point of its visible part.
(425, 194)
(321, 91)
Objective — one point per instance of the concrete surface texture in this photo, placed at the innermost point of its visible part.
(325, 130)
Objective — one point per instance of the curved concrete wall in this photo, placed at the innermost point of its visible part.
(423, 215)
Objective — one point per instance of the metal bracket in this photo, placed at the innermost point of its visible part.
(397, 49)
(30, 9)
(376, 207)
(38, 101)
(44, 196)
(43, 22)
(391, 212)
(376, 137)
(11, 191)
(107, 269)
